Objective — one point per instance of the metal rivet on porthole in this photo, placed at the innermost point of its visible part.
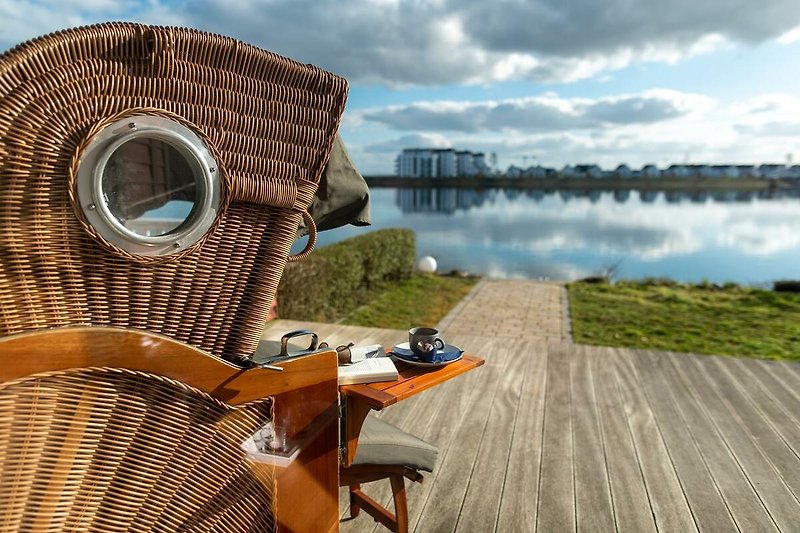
(212, 169)
(177, 245)
(91, 207)
(132, 125)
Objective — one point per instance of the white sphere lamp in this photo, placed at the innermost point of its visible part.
(427, 265)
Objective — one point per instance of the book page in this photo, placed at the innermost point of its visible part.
(368, 370)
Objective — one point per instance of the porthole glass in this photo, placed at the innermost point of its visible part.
(148, 185)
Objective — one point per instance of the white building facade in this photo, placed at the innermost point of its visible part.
(439, 163)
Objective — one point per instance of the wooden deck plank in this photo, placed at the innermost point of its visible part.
(442, 425)
(668, 502)
(593, 503)
(741, 499)
(752, 417)
(789, 370)
(521, 489)
(731, 428)
(774, 495)
(482, 500)
(785, 399)
(780, 372)
(556, 506)
(783, 422)
(705, 499)
(442, 505)
(633, 513)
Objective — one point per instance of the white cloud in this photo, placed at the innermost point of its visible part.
(414, 42)
(659, 127)
(790, 36)
(431, 140)
(538, 113)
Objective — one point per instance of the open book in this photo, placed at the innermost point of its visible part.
(368, 371)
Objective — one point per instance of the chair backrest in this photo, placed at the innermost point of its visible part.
(266, 122)
(112, 429)
(108, 449)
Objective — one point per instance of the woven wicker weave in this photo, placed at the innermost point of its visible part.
(270, 123)
(105, 450)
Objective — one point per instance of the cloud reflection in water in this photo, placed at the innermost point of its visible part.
(718, 236)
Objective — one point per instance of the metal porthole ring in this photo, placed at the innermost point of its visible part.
(98, 145)
(312, 239)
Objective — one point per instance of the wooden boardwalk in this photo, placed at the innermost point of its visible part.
(555, 437)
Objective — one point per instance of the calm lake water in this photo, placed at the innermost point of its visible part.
(749, 238)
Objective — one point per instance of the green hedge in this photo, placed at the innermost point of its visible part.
(337, 279)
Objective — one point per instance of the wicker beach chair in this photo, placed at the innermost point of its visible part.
(103, 426)
(115, 448)
(267, 123)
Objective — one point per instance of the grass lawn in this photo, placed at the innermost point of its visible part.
(422, 300)
(703, 319)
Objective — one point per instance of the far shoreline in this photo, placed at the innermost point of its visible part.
(606, 184)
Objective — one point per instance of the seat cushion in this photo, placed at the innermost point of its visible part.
(381, 443)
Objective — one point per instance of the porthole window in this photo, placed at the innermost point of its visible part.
(148, 185)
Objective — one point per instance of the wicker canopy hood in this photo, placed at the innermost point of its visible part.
(267, 121)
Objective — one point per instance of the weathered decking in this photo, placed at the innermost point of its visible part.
(550, 436)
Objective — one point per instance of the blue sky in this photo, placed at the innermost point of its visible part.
(551, 81)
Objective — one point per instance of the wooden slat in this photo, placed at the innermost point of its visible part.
(781, 372)
(774, 495)
(521, 489)
(725, 427)
(556, 506)
(783, 398)
(482, 500)
(751, 416)
(781, 420)
(666, 495)
(632, 509)
(418, 416)
(705, 500)
(743, 503)
(790, 370)
(442, 425)
(593, 504)
(443, 503)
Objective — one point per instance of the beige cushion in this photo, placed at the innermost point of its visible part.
(381, 443)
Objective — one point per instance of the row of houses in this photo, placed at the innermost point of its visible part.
(767, 171)
(440, 163)
(448, 162)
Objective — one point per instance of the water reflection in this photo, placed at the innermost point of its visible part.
(748, 237)
(446, 201)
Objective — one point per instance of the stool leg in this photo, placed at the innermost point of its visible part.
(355, 509)
(400, 503)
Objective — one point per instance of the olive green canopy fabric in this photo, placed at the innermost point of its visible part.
(343, 196)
